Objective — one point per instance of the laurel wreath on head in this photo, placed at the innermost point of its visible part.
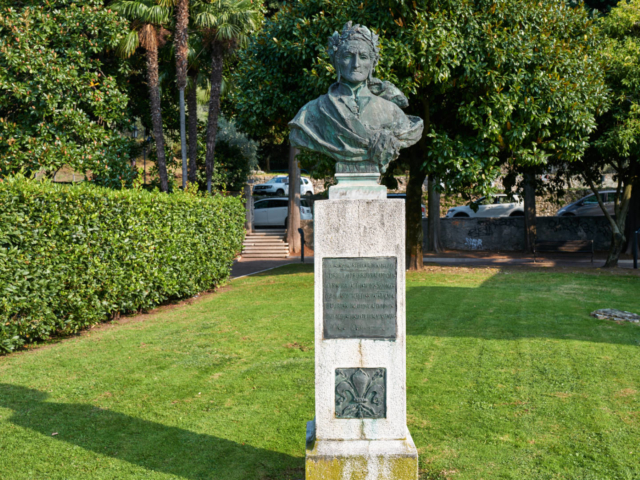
(349, 32)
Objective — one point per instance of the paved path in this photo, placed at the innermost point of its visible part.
(502, 260)
(244, 267)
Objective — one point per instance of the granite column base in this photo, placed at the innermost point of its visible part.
(362, 460)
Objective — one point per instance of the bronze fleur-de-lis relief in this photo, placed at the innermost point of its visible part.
(361, 392)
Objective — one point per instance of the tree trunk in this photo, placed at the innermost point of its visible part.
(618, 240)
(433, 216)
(248, 220)
(529, 212)
(192, 107)
(156, 114)
(183, 141)
(217, 57)
(182, 51)
(617, 244)
(617, 224)
(293, 218)
(633, 219)
(413, 214)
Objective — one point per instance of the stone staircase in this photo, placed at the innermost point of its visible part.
(265, 244)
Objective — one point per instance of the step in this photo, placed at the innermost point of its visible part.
(269, 245)
(264, 240)
(268, 232)
(264, 255)
(274, 250)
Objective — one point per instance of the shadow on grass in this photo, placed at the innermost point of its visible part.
(150, 445)
(510, 306)
(289, 269)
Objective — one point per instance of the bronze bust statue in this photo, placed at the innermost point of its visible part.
(359, 122)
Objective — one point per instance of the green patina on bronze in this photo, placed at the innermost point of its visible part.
(361, 392)
(359, 122)
(359, 297)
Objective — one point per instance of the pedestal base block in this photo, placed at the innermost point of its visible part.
(362, 460)
(357, 186)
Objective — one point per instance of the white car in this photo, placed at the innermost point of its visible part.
(280, 186)
(274, 212)
(496, 206)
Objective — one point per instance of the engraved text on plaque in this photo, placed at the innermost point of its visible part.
(359, 297)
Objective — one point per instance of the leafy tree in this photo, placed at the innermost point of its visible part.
(236, 156)
(195, 78)
(225, 25)
(616, 144)
(495, 82)
(181, 41)
(59, 103)
(148, 18)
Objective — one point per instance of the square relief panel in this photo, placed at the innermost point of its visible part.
(361, 392)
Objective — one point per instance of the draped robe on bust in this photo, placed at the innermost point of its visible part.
(354, 127)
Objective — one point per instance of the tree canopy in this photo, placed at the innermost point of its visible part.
(496, 82)
(59, 102)
(616, 143)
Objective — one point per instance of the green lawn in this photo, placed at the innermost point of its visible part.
(508, 377)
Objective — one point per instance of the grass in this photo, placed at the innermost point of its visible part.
(508, 378)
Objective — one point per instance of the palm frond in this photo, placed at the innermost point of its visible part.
(131, 9)
(128, 44)
(157, 15)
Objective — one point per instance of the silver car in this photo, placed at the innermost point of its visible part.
(588, 206)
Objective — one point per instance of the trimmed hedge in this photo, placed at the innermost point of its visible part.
(73, 256)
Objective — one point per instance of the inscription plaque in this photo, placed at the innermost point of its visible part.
(361, 392)
(359, 297)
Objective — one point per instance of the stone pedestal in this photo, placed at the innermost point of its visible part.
(360, 429)
(357, 186)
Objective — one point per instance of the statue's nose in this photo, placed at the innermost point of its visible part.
(356, 61)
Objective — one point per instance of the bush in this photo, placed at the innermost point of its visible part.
(73, 256)
(64, 94)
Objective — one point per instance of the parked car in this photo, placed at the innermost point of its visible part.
(588, 206)
(500, 205)
(274, 212)
(404, 197)
(280, 186)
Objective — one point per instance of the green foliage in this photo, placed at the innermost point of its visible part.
(620, 129)
(227, 20)
(495, 81)
(236, 156)
(71, 257)
(59, 104)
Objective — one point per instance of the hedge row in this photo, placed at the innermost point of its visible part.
(73, 256)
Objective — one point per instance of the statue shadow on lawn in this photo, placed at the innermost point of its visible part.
(151, 445)
(499, 310)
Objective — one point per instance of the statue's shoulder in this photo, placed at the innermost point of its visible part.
(313, 105)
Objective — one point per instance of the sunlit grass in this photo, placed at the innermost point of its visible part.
(508, 377)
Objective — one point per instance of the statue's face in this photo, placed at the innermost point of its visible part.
(356, 61)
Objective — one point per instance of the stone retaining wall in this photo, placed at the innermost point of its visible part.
(507, 233)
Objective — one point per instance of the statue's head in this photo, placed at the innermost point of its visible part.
(354, 53)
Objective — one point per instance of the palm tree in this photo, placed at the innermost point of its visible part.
(195, 79)
(147, 19)
(225, 25)
(181, 41)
